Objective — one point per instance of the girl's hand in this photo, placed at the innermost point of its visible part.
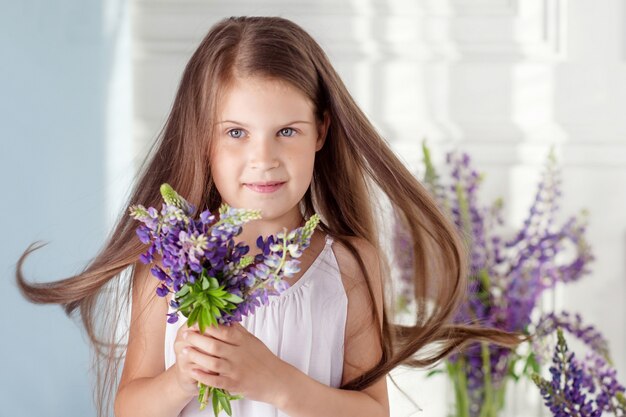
(232, 358)
(184, 365)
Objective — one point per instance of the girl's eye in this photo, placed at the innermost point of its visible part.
(235, 133)
(287, 131)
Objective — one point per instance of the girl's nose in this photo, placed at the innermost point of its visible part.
(264, 153)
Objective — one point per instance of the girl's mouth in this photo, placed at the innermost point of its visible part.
(265, 188)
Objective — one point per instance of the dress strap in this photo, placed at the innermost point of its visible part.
(329, 240)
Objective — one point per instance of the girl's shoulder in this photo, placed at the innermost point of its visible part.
(349, 267)
(363, 284)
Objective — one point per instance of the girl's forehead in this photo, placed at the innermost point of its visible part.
(261, 85)
(261, 94)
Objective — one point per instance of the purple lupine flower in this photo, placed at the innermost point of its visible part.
(572, 323)
(580, 388)
(265, 244)
(601, 379)
(565, 395)
(206, 217)
(162, 290)
(507, 275)
(172, 317)
(261, 271)
(159, 273)
(291, 267)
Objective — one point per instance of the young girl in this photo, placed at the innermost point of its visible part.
(261, 120)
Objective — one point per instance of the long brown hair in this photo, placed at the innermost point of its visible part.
(280, 49)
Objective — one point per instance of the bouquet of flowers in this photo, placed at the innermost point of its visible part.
(506, 279)
(213, 281)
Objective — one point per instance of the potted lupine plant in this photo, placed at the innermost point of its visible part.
(507, 278)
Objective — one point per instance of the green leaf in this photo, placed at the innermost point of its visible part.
(187, 302)
(434, 372)
(513, 375)
(206, 317)
(215, 311)
(234, 298)
(214, 282)
(216, 404)
(531, 363)
(184, 290)
(218, 293)
(202, 322)
(201, 392)
(226, 405)
(205, 284)
(193, 317)
(218, 303)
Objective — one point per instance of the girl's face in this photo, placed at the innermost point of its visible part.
(266, 132)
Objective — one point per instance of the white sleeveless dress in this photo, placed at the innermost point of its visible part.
(303, 326)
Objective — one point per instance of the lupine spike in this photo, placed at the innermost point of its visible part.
(138, 212)
(237, 217)
(245, 261)
(580, 388)
(171, 197)
(309, 227)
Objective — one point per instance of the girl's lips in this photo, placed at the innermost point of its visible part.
(264, 188)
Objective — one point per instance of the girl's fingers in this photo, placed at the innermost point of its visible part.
(209, 364)
(216, 381)
(208, 344)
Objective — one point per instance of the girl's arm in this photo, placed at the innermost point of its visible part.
(302, 396)
(146, 388)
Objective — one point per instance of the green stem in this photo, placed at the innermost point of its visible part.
(457, 375)
(205, 395)
(500, 394)
(487, 410)
(464, 211)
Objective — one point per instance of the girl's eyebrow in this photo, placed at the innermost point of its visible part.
(243, 124)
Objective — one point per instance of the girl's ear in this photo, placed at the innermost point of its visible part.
(322, 129)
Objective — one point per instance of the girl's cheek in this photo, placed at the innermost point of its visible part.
(305, 158)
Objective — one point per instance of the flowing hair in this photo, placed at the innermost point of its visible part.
(279, 49)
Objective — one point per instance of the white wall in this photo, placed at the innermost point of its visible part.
(64, 161)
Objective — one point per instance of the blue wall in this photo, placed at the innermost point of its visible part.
(56, 62)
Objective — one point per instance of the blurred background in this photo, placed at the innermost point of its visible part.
(85, 87)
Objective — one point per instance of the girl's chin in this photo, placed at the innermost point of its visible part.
(274, 213)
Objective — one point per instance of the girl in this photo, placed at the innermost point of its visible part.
(261, 120)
